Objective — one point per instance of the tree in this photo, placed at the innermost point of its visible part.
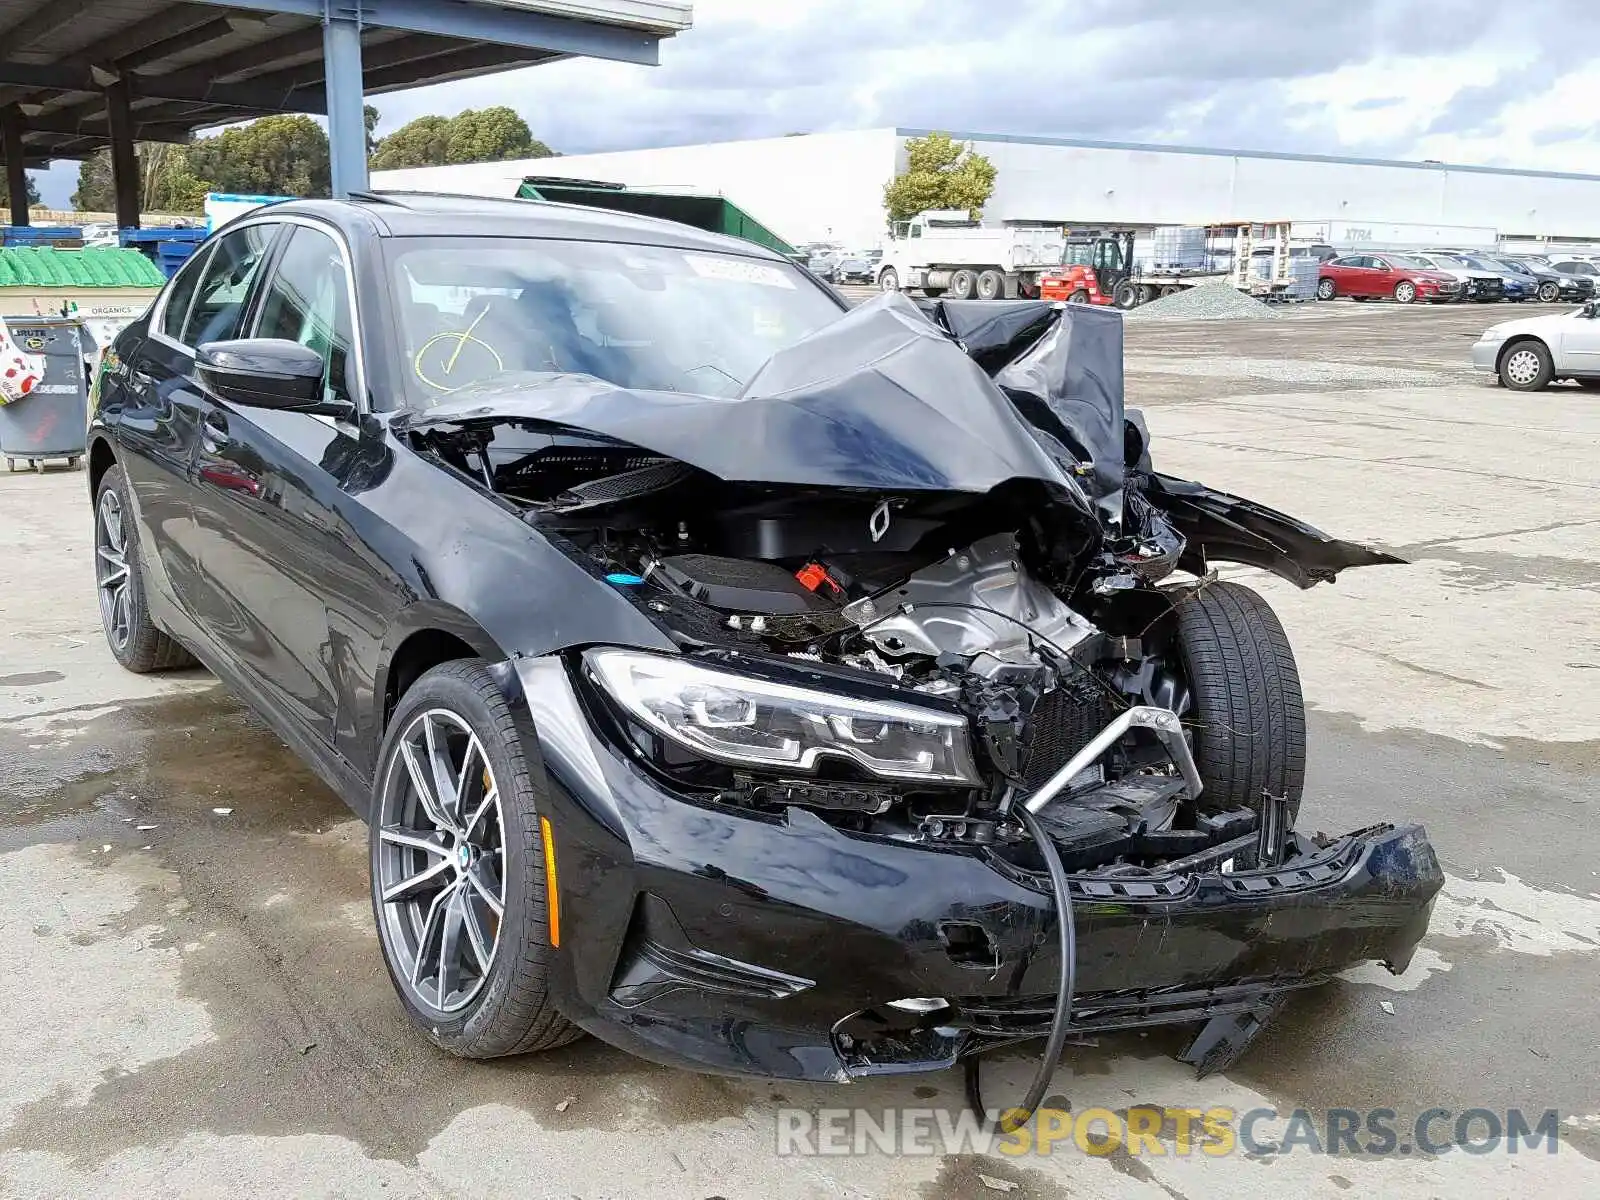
(474, 135)
(940, 173)
(424, 142)
(95, 191)
(277, 156)
(5, 190)
(167, 184)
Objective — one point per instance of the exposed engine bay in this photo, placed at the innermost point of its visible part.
(944, 505)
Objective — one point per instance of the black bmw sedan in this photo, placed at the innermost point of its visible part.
(762, 685)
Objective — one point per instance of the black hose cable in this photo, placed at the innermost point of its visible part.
(1061, 1020)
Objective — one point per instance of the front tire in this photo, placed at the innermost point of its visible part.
(1526, 366)
(1549, 293)
(458, 875)
(1126, 295)
(1326, 289)
(1405, 292)
(889, 280)
(1246, 715)
(135, 640)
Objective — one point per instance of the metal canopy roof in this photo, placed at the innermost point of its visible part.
(190, 65)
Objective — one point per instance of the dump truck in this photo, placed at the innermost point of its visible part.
(945, 252)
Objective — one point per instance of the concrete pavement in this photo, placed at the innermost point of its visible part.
(199, 1005)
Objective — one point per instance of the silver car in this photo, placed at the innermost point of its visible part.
(1531, 353)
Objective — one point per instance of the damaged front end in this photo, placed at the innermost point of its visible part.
(934, 609)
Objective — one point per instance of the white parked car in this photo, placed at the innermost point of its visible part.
(98, 234)
(1527, 355)
(1482, 286)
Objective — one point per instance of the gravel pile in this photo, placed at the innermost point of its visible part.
(1208, 302)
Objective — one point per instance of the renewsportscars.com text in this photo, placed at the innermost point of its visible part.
(1160, 1132)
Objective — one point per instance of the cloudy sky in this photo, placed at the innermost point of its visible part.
(1478, 81)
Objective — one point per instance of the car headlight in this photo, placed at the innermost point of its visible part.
(752, 722)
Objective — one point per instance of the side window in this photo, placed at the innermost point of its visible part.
(308, 301)
(916, 231)
(180, 294)
(218, 310)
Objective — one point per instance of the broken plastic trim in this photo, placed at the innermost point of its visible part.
(1163, 722)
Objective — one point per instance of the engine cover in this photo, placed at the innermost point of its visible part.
(740, 584)
(979, 604)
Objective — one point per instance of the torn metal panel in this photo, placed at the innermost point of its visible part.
(1219, 527)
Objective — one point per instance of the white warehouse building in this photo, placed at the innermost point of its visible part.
(828, 187)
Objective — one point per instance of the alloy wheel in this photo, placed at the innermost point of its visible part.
(1522, 366)
(439, 872)
(1405, 292)
(112, 570)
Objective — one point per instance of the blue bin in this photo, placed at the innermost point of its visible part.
(166, 246)
(40, 235)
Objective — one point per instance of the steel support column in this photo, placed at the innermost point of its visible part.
(124, 160)
(347, 125)
(16, 163)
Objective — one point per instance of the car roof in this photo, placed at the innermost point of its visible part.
(429, 214)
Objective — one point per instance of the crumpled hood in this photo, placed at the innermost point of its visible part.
(945, 396)
(880, 400)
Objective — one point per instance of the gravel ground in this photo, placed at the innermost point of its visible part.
(1293, 370)
(1208, 302)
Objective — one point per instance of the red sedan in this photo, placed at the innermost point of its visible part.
(1375, 276)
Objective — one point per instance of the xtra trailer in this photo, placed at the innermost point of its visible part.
(944, 252)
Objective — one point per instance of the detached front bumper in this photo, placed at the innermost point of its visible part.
(703, 937)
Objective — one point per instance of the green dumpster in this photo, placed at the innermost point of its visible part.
(717, 214)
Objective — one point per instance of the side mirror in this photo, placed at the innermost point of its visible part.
(266, 373)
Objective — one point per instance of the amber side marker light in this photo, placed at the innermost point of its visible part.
(551, 888)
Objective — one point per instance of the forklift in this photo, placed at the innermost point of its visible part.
(1097, 268)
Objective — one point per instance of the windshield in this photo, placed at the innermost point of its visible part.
(650, 317)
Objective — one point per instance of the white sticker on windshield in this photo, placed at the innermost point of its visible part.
(738, 270)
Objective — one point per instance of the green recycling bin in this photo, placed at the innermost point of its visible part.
(51, 420)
